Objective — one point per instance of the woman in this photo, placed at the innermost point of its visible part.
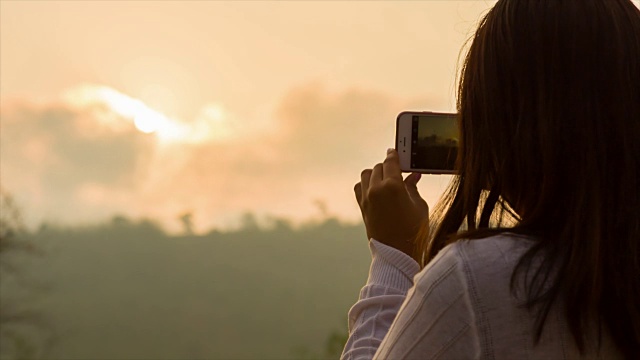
(547, 192)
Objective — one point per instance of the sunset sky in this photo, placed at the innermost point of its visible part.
(157, 108)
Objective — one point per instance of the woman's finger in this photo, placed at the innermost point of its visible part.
(358, 190)
(412, 179)
(365, 177)
(392, 165)
(376, 175)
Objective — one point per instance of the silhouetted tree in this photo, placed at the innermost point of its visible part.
(18, 324)
(249, 221)
(322, 207)
(186, 220)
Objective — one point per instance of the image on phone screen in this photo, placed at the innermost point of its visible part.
(434, 142)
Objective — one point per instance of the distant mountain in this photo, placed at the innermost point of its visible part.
(127, 290)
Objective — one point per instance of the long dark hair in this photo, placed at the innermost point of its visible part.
(549, 117)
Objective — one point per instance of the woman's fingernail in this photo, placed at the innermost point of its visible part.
(389, 151)
(414, 178)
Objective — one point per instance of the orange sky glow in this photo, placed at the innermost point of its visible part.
(158, 108)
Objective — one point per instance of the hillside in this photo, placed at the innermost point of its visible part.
(127, 290)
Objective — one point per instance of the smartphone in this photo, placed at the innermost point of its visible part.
(427, 142)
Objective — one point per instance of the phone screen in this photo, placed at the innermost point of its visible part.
(434, 139)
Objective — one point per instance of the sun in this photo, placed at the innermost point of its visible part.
(212, 124)
(144, 118)
(145, 124)
(149, 122)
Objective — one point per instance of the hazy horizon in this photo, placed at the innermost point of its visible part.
(159, 109)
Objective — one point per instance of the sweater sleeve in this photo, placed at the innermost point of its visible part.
(429, 320)
(390, 277)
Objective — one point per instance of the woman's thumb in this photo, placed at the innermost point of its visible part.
(411, 183)
(413, 179)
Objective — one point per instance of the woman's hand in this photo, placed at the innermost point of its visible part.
(392, 209)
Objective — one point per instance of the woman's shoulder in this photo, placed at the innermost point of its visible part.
(481, 267)
(485, 264)
(499, 251)
(477, 255)
(481, 270)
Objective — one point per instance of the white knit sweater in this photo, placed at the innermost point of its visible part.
(458, 307)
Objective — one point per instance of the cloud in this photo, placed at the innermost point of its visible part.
(326, 130)
(76, 163)
(49, 152)
(321, 142)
